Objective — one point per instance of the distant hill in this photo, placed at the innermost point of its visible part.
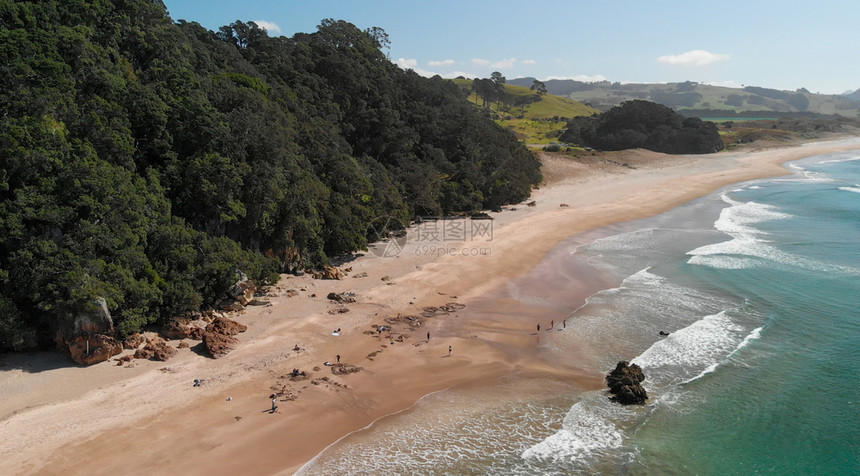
(538, 119)
(547, 106)
(855, 96)
(604, 95)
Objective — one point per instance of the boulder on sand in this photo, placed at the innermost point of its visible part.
(345, 297)
(88, 350)
(243, 291)
(222, 325)
(624, 382)
(219, 345)
(155, 349)
(133, 341)
(329, 272)
(218, 337)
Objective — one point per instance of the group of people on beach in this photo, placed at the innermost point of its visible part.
(552, 325)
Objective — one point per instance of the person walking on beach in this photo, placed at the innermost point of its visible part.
(338, 358)
(538, 327)
(564, 324)
(428, 337)
(274, 404)
(552, 324)
(450, 350)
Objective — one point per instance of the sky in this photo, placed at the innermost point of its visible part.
(785, 44)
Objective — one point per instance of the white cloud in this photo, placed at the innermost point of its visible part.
(729, 83)
(693, 58)
(455, 74)
(529, 61)
(503, 64)
(580, 77)
(413, 65)
(447, 62)
(270, 27)
(407, 63)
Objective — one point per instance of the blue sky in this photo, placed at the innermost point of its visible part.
(778, 44)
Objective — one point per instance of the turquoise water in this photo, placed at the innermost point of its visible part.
(759, 286)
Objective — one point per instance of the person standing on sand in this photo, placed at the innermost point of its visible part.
(428, 337)
(338, 358)
(564, 324)
(551, 324)
(274, 404)
(450, 350)
(538, 327)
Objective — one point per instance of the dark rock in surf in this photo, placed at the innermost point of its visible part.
(624, 383)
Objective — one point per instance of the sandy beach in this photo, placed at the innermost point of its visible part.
(147, 417)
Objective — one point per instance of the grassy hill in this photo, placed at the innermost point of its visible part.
(540, 122)
(691, 96)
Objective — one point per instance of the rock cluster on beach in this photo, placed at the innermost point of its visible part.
(155, 348)
(88, 350)
(624, 383)
(218, 337)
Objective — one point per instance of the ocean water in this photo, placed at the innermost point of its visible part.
(759, 287)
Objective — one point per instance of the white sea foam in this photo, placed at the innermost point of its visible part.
(588, 430)
(738, 218)
(745, 253)
(855, 188)
(690, 350)
(810, 175)
(749, 247)
(595, 428)
(737, 221)
(754, 335)
(850, 159)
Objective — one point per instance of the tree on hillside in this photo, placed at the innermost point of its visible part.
(647, 125)
(539, 87)
(498, 87)
(147, 165)
(486, 89)
(523, 101)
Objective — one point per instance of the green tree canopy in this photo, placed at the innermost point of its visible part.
(152, 163)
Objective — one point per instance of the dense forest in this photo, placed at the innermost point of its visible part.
(146, 165)
(646, 125)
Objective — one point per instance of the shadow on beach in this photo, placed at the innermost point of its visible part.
(35, 362)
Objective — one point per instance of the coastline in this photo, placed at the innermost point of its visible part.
(154, 421)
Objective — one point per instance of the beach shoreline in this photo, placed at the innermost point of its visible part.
(149, 418)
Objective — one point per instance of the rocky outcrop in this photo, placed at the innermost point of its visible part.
(133, 341)
(243, 292)
(624, 383)
(155, 349)
(179, 329)
(96, 319)
(345, 297)
(222, 325)
(230, 305)
(219, 345)
(344, 369)
(329, 272)
(88, 350)
(218, 336)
